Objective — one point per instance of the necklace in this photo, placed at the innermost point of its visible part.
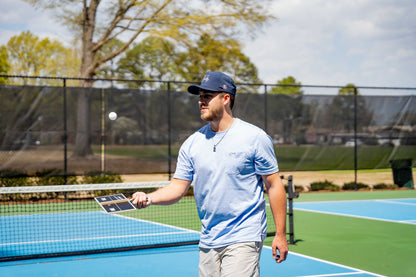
(214, 149)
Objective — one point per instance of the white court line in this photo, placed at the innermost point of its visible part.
(391, 201)
(357, 271)
(357, 216)
(152, 222)
(334, 274)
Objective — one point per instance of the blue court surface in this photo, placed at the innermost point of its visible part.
(70, 232)
(175, 261)
(392, 210)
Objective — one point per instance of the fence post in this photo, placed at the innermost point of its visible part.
(65, 135)
(265, 108)
(355, 140)
(169, 133)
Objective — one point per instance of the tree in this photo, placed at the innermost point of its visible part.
(109, 70)
(218, 54)
(289, 86)
(4, 63)
(30, 55)
(349, 89)
(98, 22)
(341, 111)
(155, 58)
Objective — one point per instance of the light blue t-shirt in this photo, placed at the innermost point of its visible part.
(228, 186)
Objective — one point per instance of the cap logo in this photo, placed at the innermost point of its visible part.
(206, 78)
(224, 86)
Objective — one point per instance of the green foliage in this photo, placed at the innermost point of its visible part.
(54, 177)
(30, 55)
(154, 58)
(157, 58)
(214, 53)
(14, 178)
(4, 63)
(385, 186)
(351, 186)
(325, 185)
(97, 177)
(288, 85)
(340, 113)
(349, 89)
(134, 20)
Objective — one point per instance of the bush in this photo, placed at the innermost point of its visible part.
(54, 177)
(351, 186)
(326, 185)
(384, 186)
(14, 178)
(100, 178)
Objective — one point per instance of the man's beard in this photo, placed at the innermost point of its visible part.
(212, 114)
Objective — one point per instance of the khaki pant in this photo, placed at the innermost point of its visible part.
(235, 260)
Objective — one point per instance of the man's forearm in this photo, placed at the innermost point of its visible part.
(277, 199)
(278, 202)
(168, 195)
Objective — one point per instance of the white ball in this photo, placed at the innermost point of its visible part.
(112, 116)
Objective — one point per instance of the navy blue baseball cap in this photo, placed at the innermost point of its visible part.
(216, 82)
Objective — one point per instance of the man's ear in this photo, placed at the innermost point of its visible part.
(226, 99)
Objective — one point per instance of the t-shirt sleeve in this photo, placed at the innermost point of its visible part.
(265, 159)
(184, 166)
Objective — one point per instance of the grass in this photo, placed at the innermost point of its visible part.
(381, 247)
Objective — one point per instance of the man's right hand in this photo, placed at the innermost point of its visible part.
(141, 200)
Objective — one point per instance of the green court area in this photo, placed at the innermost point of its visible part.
(386, 248)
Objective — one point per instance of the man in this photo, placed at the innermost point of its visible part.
(229, 161)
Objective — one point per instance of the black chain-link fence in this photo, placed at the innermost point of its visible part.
(319, 130)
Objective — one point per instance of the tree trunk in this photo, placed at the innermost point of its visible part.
(82, 139)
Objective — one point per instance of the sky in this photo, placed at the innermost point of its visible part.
(318, 42)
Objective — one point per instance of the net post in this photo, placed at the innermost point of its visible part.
(291, 195)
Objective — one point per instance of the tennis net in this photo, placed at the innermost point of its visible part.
(47, 221)
(64, 220)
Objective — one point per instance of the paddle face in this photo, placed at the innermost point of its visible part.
(115, 203)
